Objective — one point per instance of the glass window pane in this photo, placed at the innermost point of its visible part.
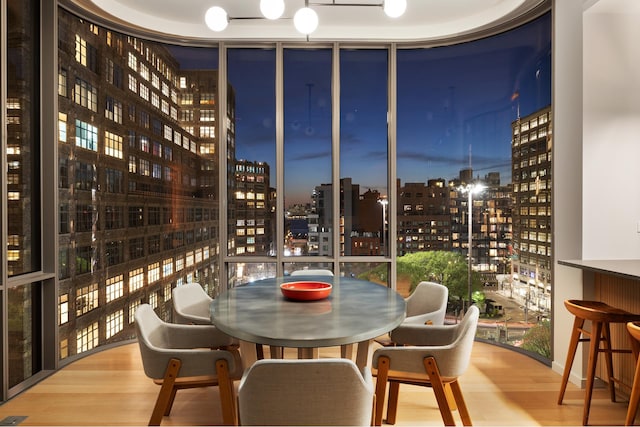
(24, 305)
(461, 112)
(363, 151)
(247, 272)
(307, 152)
(251, 75)
(377, 272)
(23, 118)
(148, 211)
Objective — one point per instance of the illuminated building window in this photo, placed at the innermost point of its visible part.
(86, 95)
(144, 72)
(133, 306)
(133, 83)
(186, 99)
(207, 98)
(113, 110)
(208, 131)
(114, 323)
(153, 273)
(144, 92)
(62, 83)
(112, 145)
(189, 259)
(62, 127)
(87, 338)
(179, 263)
(81, 50)
(207, 115)
(86, 299)
(136, 280)
(115, 288)
(153, 300)
(167, 267)
(86, 136)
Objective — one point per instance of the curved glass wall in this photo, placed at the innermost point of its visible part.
(227, 164)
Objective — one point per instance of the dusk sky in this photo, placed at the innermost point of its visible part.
(449, 99)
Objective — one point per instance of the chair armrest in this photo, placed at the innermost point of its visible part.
(424, 335)
(452, 361)
(195, 362)
(196, 336)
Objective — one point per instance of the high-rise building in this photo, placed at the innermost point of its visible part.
(424, 220)
(532, 234)
(137, 181)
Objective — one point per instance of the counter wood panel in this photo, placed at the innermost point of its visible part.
(615, 282)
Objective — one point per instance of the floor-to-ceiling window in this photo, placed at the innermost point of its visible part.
(310, 167)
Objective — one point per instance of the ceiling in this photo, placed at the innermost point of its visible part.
(424, 20)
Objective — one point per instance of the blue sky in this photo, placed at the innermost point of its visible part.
(452, 100)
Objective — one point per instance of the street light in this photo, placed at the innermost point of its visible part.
(470, 189)
(384, 202)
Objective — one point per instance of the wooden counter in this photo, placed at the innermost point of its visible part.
(615, 282)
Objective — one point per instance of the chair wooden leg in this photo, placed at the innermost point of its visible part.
(596, 334)
(392, 402)
(227, 398)
(438, 388)
(167, 390)
(634, 399)
(606, 339)
(459, 399)
(381, 388)
(571, 353)
(453, 404)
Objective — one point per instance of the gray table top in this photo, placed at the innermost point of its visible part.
(355, 311)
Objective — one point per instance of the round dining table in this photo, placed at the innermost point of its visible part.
(356, 311)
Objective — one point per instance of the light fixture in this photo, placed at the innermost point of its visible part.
(272, 9)
(305, 20)
(216, 18)
(394, 8)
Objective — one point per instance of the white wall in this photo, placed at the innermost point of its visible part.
(596, 102)
(567, 170)
(611, 138)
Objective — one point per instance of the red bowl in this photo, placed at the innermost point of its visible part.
(306, 291)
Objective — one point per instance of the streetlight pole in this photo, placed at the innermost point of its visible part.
(470, 232)
(470, 189)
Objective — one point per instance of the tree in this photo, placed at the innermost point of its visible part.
(538, 339)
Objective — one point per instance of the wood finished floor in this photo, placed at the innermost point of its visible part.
(501, 387)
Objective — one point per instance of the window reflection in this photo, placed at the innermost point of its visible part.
(363, 151)
(23, 118)
(251, 74)
(24, 347)
(138, 179)
(307, 153)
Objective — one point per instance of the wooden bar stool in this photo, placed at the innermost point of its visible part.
(600, 315)
(634, 331)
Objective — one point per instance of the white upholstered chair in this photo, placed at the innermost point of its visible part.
(426, 305)
(306, 392)
(186, 356)
(191, 304)
(438, 357)
(312, 272)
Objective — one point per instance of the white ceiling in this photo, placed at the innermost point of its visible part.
(424, 19)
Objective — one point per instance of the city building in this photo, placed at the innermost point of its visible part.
(532, 233)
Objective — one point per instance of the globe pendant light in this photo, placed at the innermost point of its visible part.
(272, 9)
(306, 20)
(394, 8)
(216, 18)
